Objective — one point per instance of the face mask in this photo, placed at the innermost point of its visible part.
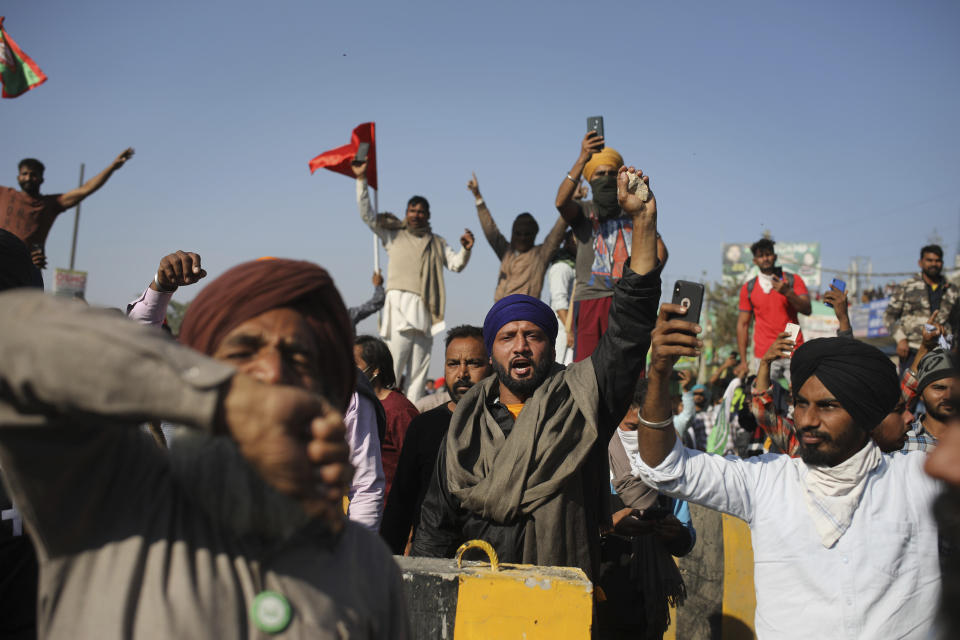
(604, 190)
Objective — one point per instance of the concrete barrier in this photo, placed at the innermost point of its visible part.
(526, 601)
(478, 601)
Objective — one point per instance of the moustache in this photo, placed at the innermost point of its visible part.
(813, 431)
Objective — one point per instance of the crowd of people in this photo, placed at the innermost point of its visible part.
(255, 473)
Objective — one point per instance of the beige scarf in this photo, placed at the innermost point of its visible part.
(833, 493)
(530, 473)
(420, 247)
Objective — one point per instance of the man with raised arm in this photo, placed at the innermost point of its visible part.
(522, 263)
(29, 215)
(238, 531)
(603, 231)
(524, 464)
(416, 296)
(844, 541)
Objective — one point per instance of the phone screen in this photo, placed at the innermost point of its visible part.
(362, 150)
(595, 123)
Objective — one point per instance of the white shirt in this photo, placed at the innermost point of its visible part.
(367, 489)
(560, 277)
(880, 580)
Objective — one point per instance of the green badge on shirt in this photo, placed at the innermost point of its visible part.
(270, 611)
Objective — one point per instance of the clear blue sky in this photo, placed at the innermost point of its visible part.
(821, 121)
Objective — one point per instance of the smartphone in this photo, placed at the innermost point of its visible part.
(362, 150)
(778, 271)
(793, 330)
(689, 295)
(839, 284)
(595, 123)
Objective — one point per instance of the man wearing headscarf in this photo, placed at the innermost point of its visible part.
(603, 231)
(843, 537)
(524, 464)
(935, 386)
(416, 295)
(239, 530)
(522, 262)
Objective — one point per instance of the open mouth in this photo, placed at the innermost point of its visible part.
(521, 367)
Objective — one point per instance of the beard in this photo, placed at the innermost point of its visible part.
(525, 388)
(824, 455)
(459, 389)
(941, 414)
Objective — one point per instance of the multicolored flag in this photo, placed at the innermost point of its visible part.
(339, 159)
(18, 72)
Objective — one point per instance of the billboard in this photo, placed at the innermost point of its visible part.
(802, 258)
(70, 284)
(867, 319)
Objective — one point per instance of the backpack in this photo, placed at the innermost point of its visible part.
(752, 282)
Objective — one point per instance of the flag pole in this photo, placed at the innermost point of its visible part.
(76, 224)
(376, 249)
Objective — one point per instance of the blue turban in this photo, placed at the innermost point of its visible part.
(518, 307)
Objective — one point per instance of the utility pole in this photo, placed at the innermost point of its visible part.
(76, 224)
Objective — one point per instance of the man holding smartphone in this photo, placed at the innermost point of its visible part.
(773, 299)
(603, 233)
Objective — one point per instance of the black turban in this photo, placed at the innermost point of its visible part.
(252, 288)
(859, 376)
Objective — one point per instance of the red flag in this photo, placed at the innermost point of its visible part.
(339, 159)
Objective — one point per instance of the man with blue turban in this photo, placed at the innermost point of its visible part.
(524, 464)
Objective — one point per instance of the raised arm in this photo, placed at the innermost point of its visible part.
(367, 214)
(497, 241)
(59, 425)
(620, 355)
(569, 209)
(74, 197)
(777, 427)
(371, 306)
(554, 238)
(181, 268)
(457, 260)
(662, 462)
(838, 300)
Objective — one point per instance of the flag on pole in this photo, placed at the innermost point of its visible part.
(18, 72)
(339, 159)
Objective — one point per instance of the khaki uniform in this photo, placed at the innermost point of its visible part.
(909, 309)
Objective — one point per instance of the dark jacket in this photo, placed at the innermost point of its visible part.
(618, 362)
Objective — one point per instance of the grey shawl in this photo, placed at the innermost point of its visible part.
(534, 472)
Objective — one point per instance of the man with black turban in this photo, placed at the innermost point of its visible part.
(524, 465)
(844, 541)
(239, 530)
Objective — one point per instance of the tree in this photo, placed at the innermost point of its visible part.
(175, 313)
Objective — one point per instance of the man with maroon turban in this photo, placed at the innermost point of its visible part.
(238, 530)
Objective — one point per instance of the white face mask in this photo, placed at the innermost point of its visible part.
(629, 440)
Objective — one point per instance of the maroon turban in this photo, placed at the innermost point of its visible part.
(252, 288)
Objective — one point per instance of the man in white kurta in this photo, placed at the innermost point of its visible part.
(413, 309)
(845, 544)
